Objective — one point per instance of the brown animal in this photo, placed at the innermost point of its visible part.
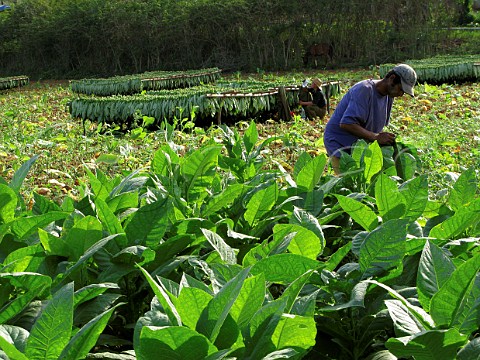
(317, 51)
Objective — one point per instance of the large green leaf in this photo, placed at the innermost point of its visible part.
(84, 340)
(25, 226)
(373, 161)
(51, 331)
(149, 222)
(198, 170)
(311, 172)
(456, 225)
(433, 271)
(296, 332)
(428, 345)
(405, 323)
(32, 284)
(450, 305)
(84, 234)
(163, 159)
(173, 342)
(227, 254)
(311, 223)
(15, 335)
(8, 203)
(359, 212)
(415, 193)
(471, 351)
(249, 300)
(250, 137)
(214, 315)
(20, 175)
(302, 241)
(10, 350)
(262, 327)
(261, 203)
(284, 268)
(25, 259)
(107, 217)
(190, 305)
(164, 299)
(464, 190)
(390, 202)
(383, 248)
(225, 198)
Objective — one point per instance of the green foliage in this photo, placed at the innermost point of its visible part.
(208, 254)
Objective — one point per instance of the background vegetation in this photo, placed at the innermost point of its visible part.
(76, 38)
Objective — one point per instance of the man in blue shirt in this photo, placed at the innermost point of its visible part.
(364, 111)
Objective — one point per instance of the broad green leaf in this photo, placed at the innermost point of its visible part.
(405, 323)
(336, 258)
(20, 175)
(357, 299)
(292, 292)
(249, 300)
(450, 303)
(310, 174)
(373, 161)
(92, 291)
(227, 254)
(421, 316)
(302, 241)
(84, 340)
(359, 212)
(84, 234)
(108, 219)
(25, 226)
(296, 332)
(25, 259)
(84, 258)
(51, 331)
(225, 198)
(10, 350)
(428, 345)
(163, 298)
(123, 201)
(310, 222)
(250, 137)
(198, 170)
(258, 340)
(390, 202)
(302, 160)
(471, 351)
(433, 272)
(163, 159)
(149, 221)
(384, 248)
(100, 188)
(173, 342)
(14, 335)
(464, 189)
(415, 193)
(8, 203)
(190, 305)
(216, 312)
(358, 152)
(284, 268)
(457, 224)
(33, 285)
(260, 204)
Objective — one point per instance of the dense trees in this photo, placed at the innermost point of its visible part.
(72, 38)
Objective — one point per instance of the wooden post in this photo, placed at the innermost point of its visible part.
(284, 107)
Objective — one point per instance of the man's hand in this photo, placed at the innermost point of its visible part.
(385, 138)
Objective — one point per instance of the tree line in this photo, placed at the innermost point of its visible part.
(78, 38)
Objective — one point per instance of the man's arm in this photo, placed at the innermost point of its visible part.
(383, 138)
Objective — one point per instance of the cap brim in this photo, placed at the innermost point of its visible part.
(407, 89)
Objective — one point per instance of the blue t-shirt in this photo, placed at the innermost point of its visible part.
(362, 105)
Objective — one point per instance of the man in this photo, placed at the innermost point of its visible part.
(313, 101)
(364, 111)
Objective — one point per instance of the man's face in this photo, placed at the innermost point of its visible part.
(394, 90)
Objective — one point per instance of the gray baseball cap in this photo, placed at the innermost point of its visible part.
(408, 76)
